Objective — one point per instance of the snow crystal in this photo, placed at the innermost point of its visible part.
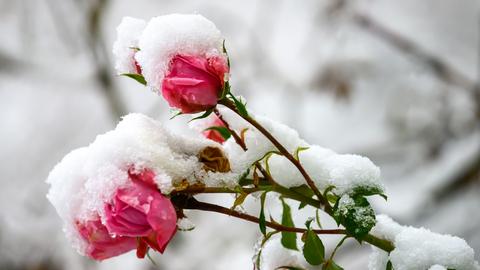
(185, 224)
(325, 167)
(257, 144)
(87, 178)
(437, 267)
(274, 255)
(419, 249)
(168, 35)
(347, 172)
(386, 228)
(128, 33)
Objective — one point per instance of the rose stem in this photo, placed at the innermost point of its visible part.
(229, 104)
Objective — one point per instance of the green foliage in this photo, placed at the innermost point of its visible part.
(241, 196)
(367, 191)
(313, 249)
(240, 105)
(389, 266)
(355, 214)
(262, 222)
(224, 132)
(204, 115)
(289, 239)
(298, 150)
(331, 265)
(176, 113)
(226, 53)
(137, 77)
(305, 191)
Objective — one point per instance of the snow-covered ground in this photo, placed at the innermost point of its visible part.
(313, 67)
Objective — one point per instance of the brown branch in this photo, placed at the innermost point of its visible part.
(237, 138)
(241, 143)
(184, 202)
(229, 104)
(192, 203)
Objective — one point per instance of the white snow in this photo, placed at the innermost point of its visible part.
(419, 249)
(128, 33)
(344, 171)
(185, 224)
(437, 267)
(274, 255)
(169, 35)
(87, 178)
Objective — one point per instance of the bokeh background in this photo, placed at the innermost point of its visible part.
(396, 81)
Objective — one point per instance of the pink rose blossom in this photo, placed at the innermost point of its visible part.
(141, 211)
(193, 83)
(213, 134)
(138, 68)
(100, 243)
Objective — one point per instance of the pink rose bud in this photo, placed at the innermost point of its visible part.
(213, 134)
(138, 68)
(141, 211)
(193, 83)
(100, 243)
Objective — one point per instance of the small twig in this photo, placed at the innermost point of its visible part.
(237, 138)
(229, 104)
(185, 202)
(242, 144)
(192, 203)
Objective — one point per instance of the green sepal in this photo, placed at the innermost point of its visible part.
(289, 239)
(224, 132)
(137, 77)
(262, 222)
(204, 115)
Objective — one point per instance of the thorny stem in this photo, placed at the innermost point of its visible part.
(191, 203)
(371, 239)
(276, 188)
(237, 138)
(229, 104)
(242, 144)
(186, 202)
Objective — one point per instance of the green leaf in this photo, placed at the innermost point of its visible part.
(289, 239)
(304, 190)
(224, 132)
(317, 218)
(355, 214)
(226, 90)
(176, 113)
(313, 250)
(308, 223)
(204, 115)
(262, 222)
(298, 150)
(242, 110)
(302, 205)
(367, 191)
(137, 49)
(137, 77)
(331, 265)
(239, 199)
(389, 266)
(225, 52)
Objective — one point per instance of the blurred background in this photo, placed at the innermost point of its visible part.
(396, 81)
